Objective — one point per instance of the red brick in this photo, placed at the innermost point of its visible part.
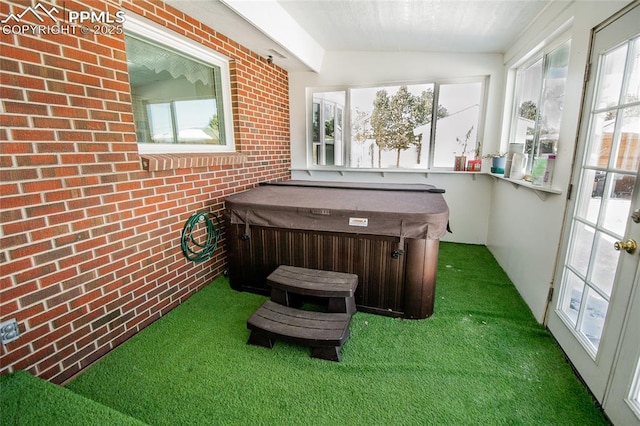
(14, 94)
(36, 160)
(60, 111)
(66, 217)
(25, 108)
(65, 87)
(19, 54)
(46, 98)
(65, 194)
(44, 72)
(62, 63)
(42, 186)
(45, 209)
(52, 123)
(84, 102)
(79, 55)
(39, 45)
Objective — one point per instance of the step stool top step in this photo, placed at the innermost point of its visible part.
(306, 327)
(313, 282)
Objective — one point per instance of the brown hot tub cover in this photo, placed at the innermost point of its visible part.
(401, 210)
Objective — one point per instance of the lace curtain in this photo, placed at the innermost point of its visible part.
(142, 54)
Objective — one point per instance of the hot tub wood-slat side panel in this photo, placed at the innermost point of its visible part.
(381, 276)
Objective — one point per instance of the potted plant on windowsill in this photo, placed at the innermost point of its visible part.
(498, 162)
(461, 160)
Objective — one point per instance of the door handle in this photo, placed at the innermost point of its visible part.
(629, 246)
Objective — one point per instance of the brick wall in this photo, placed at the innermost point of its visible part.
(90, 239)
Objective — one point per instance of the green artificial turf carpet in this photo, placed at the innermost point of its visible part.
(481, 359)
(28, 400)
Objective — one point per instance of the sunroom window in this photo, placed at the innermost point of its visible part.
(396, 127)
(539, 95)
(180, 92)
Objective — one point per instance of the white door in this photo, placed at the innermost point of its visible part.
(596, 276)
(622, 399)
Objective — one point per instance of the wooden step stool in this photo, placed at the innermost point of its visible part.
(324, 332)
(339, 288)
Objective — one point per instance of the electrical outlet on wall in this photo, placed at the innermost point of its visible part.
(9, 331)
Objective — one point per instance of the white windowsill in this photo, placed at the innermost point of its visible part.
(541, 191)
(345, 171)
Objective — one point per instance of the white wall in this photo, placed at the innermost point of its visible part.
(524, 231)
(466, 195)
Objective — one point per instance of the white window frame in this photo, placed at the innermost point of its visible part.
(141, 27)
(538, 53)
(346, 131)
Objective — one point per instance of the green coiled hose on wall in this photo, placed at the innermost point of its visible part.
(194, 245)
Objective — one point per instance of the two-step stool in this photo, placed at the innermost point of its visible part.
(280, 318)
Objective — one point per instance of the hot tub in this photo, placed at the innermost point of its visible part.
(386, 234)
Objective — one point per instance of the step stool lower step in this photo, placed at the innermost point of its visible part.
(324, 332)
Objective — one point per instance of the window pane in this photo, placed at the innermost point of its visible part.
(391, 126)
(175, 98)
(194, 122)
(555, 77)
(326, 132)
(529, 85)
(160, 123)
(457, 128)
(538, 103)
(329, 118)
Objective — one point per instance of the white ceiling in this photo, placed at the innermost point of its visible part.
(459, 26)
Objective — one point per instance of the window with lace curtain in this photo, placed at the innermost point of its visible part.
(180, 92)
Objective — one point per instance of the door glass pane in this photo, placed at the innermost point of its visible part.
(633, 85)
(600, 138)
(627, 151)
(581, 243)
(593, 318)
(605, 263)
(590, 195)
(572, 296)
(611, 76)
(634, 393)
(618, 206)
